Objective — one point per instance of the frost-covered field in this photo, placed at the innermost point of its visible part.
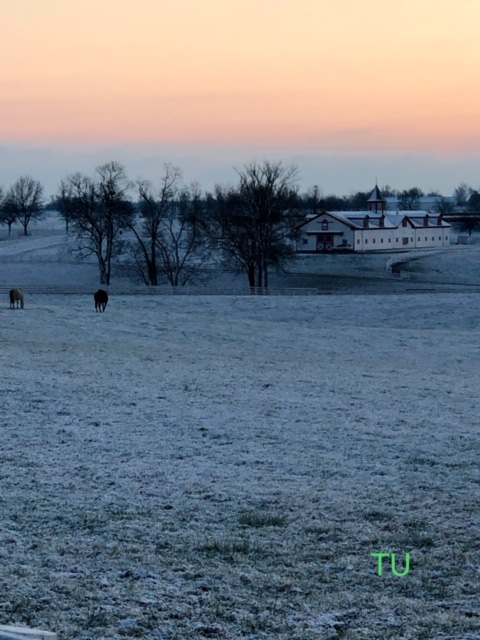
(222, 467)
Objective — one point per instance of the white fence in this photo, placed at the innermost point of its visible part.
(411, 284)
(120, 290)
(32, 233)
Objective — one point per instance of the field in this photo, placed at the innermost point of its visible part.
(224, 467)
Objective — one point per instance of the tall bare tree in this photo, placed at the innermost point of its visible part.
(62, 202)
(444, 206)
(24, 201)
(170, 235)
(409, 199)
(256, 222)
(183, 243)
(154, 208)
(97, 212)
(116, 210)
(462, 195)
(232, 231)
(7, 216)
(473, 204)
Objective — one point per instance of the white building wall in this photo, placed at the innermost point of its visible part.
(341, 231)
(306, 242)
(347, 235)
(393, 239)
(374, 238)
(432, 237)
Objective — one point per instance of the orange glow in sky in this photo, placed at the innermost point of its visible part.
(307, 74)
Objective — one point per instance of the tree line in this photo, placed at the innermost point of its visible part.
(171, 230)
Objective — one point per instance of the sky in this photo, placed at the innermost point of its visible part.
(350, 91)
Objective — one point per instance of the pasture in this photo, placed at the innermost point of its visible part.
(223, 467)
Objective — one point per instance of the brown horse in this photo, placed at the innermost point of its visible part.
(16, 295)
(101, 300)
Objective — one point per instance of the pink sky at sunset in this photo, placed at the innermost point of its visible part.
(362, 78)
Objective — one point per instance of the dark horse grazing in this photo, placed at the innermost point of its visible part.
(16, 295)
(101, 300)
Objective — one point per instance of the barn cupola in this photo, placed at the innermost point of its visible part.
(376, 202)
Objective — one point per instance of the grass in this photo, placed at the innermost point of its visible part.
(259, 519)
(232, 546)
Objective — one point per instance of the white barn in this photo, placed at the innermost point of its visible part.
(373, 230)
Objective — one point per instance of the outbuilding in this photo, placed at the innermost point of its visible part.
(373, 230)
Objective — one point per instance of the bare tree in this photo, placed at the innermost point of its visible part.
(467, 224)
(313, 199)
(444, 206)
(7, 216)
(63, 200)
(462, 195)
(97, 212)
(358, 201)
(81, 206)
(257, 221)
(170, 237)
(388, 192)
(409, 199)
(116, 210)
(473, 204)
(182, 242)
(154, 208)
(24, 201)
(232, 232)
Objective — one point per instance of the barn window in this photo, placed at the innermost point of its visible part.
(305, 241)
(389, 239)
(366, 240)
(324, 225)
(373, 241)
(358, 240)
(381, 239)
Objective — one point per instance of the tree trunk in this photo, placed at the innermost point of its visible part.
(265, 273)
(152, 274)
(259, 274)
(108, 269)
(251, 274)
(152, 267)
